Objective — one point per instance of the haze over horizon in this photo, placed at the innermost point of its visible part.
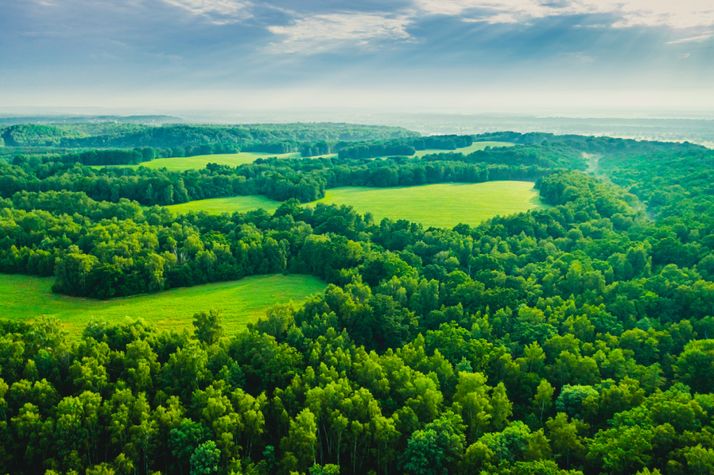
(556, 57)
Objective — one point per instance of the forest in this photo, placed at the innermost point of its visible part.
(574, 339)
(169, 140)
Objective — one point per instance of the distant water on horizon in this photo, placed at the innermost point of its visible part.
(695, 130)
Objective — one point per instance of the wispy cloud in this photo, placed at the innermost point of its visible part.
(495, 19)
(324, 32)
(692, 39)
(485, 10)
(219, 12)
(630, 13)
(673, 14)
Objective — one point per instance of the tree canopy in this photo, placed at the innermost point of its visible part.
(571, 339)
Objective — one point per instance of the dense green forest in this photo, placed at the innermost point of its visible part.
(280, 179)
(171, 140)
(572, 339)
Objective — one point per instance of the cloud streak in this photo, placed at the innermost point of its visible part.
(219, 12)
(168, 47)
(693, 39)
(631, 13)
(319, 33)
(326, 32)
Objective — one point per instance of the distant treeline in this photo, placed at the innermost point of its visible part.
(272, 138)
(111, 157)
(590, 144)
(346, 150)
(407, 146)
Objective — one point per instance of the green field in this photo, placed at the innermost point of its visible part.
(239, 302)
(474, 147)
(234, 159)
(227, 205)
(179, 164)
(444, 205)
(200, 161)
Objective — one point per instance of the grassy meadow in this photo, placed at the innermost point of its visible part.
(197, 162)
(474, 147)
(444, 205)
(230, 204)
(239, 302)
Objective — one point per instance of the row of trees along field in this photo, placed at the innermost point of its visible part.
(130, 135)
(131, 143)
(280, 179)
(403, 146)
(574, 339)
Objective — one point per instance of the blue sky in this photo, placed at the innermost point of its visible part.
(559, 56)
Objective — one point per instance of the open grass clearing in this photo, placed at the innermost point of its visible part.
(239, 302)
(197, 162)
(444, 205)
(231, 204)
(200, 161)
(474, 147)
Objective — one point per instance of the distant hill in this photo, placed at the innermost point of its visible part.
(199, 138)
(89, 119)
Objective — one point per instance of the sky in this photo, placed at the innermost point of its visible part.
(648, 57)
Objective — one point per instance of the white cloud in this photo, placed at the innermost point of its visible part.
(674, 14)
(220, 12)
(328, 31)
(498, 18)
(629, 13)
(693, 39)
(489, 8)
(324, 32)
